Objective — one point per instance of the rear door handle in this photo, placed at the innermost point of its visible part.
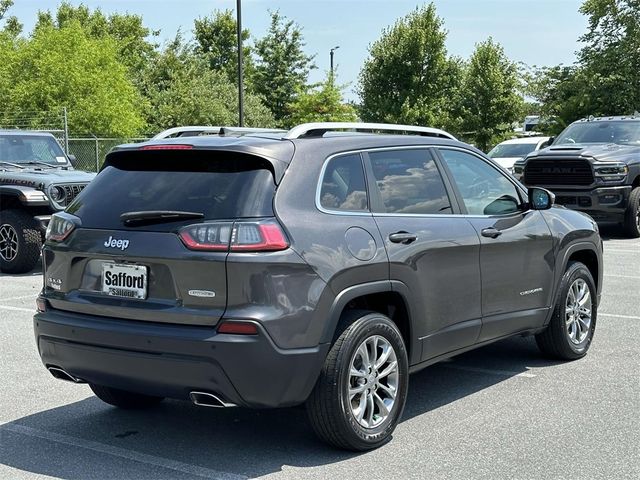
(491, 232)
(403, 237)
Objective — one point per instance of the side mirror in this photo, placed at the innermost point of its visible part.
(72, 159)
(547, 143)
(541, 199)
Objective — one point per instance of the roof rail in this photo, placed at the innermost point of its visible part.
(308, 130)
(195, 130)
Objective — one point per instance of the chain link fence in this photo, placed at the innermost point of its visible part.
(91, 151)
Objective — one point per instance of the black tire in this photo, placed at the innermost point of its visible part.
(123, 399)
(28, 237)
(329, 407)
(632, 215)
(555, 340)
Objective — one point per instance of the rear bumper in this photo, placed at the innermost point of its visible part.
(607, 204)
(172, 360)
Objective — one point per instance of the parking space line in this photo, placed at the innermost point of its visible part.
(122, 453)
(610, 250)
(621, 276)
(501, 373)
(631, 317)
(18, 309)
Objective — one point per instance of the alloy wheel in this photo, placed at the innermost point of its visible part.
(8, 242)
(578, 311)
(373, 381)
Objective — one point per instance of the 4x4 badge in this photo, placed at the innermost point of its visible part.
(114, 243)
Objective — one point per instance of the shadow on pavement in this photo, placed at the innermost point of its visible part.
(613, 232)
(33, 273)
(238, 441)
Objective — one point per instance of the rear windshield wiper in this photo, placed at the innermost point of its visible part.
(150, 217)
(2, 162)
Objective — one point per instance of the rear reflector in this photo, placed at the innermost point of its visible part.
(167, 147)
(41, 304)
(259, 236)
(238, 328)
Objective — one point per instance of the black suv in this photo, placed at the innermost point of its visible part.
(592, 166)
(321, 267)
(36, 180)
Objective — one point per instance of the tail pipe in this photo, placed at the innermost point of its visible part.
(204, 399)
(61, 374)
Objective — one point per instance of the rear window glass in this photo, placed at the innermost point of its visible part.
(343, 185)
(220, 185)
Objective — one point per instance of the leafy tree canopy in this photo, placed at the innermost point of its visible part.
(63, 67)
(491, 102)
(216, 39)
(128, 31)
(321, 103)
(408, 77)
(183, 90)
(282, 67)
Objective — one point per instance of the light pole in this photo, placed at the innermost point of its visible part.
(240, 65)
(331, 55)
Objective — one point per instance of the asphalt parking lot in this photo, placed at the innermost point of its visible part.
(499, 412)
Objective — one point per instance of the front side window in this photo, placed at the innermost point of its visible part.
(343, 185)
(409, 182)
(484, 189)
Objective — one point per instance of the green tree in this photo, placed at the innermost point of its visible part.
(282, 67)
(563, 94)
(611, 55)
(63, 67)
(321, 103)
(183, 90)
(216, 39)
(11, 24)
(408, 77)
(130, 35)
(491, 99)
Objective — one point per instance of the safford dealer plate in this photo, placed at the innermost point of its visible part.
(126, 281)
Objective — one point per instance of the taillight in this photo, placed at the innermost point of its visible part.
(259, 236)
(207, 236)
(59, 228)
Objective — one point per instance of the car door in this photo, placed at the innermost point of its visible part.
(432, 251)
(516, 253)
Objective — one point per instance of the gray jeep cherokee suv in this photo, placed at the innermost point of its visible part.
(272, 270)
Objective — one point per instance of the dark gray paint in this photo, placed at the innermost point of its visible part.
(460, 289)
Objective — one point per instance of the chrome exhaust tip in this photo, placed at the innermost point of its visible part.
(204, 399)
(61, 374)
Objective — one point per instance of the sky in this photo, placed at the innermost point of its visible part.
(536, 32)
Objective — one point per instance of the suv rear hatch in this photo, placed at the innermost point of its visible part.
(129, 257)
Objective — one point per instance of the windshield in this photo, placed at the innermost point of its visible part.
(31, 148)
(512, 150)
(620, 132)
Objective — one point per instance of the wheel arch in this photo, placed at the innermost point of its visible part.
(586, 253)
(391, 298)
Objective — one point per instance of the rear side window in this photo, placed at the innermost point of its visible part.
(220, 185)
(343, 185)
(409, 182)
